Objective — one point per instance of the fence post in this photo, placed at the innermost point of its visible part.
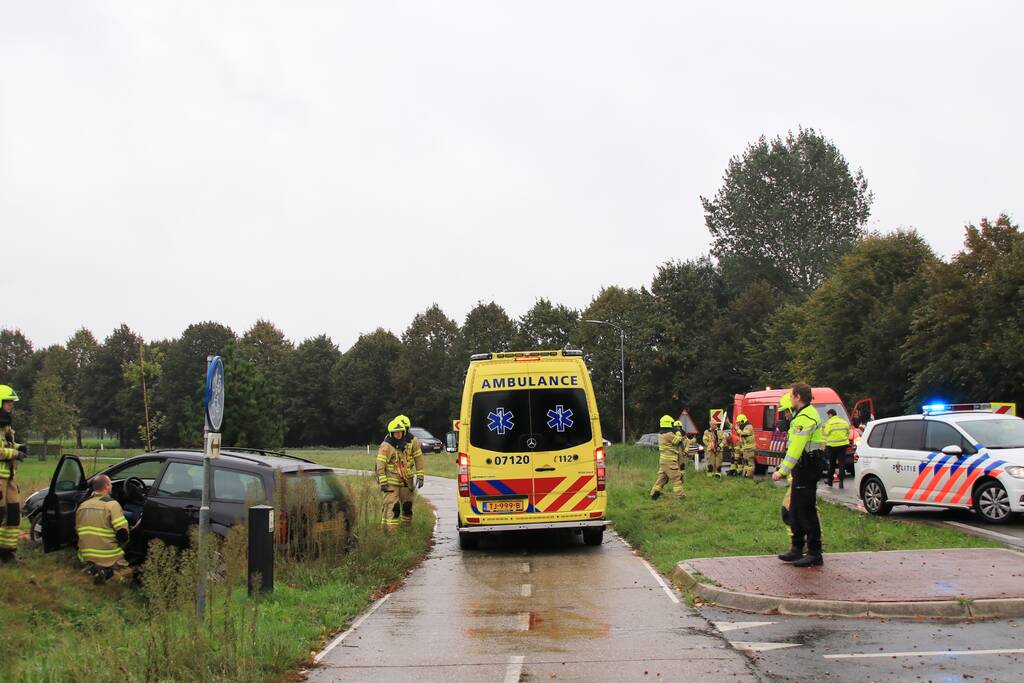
(261, 548)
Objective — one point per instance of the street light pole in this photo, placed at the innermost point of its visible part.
(622, 367)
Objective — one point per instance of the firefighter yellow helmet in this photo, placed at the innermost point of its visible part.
(741, 418)
(7, 393)
(396, 425)
(677, 423)
(786, 401)
(404, 420)
(667, 422)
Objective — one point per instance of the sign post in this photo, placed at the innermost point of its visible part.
(213, 403)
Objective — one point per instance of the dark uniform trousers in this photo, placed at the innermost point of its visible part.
(803, 516)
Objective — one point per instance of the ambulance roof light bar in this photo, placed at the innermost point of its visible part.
(936, 408)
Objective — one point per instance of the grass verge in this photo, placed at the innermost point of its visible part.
(61, 628)
(731, 516)
(435, 464)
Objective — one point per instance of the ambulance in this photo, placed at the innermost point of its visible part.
(530, 452)
(761, 408)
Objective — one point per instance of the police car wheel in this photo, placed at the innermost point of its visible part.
(992, 503)
(874, 497)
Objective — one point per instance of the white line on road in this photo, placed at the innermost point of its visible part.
(523, 621)
(526, 590)
(337, 641)
(515, 669)
(661, 582)
(935, 653)
(760, 647)
(724, 626)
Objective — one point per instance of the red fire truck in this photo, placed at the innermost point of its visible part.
(761, 408)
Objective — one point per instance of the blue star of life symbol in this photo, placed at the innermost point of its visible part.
(559, 418)
(500, 421)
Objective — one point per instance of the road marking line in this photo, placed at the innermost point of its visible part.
(526, 590)
(724, 626)
(525, 567)
(935, 653)
(760, 647)
(523, 621)
(355, 624)
(515, 669)
(661, 582)
(987, 532)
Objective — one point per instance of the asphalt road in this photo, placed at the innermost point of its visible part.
(530, 608)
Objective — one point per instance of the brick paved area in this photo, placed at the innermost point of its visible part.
(897, 576)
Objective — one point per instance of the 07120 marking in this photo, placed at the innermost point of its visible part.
(511, 460)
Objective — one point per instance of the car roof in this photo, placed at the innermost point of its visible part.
(946, 417)
(244, 457)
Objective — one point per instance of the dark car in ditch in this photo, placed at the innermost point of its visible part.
(161, 492)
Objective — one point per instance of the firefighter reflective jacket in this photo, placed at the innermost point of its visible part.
(837, 431)
(8, 453)
(714, 440)
(746, 435)
(100, 524)
(399, 462)
(802, 428)
(668, 445)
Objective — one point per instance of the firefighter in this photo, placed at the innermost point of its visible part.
(745, 431)
(683, 445)
(10, 453)
(102, 533)
(417, 446)
(714, 443)
(669, 439)
(805, 468)
(837, 440)
(396, 475)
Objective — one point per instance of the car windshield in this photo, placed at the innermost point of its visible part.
(1007, 433)
(421, 433)
(530, 420)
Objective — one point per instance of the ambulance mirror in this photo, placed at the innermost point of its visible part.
(451, 442)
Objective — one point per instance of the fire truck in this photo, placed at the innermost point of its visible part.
(761, 409)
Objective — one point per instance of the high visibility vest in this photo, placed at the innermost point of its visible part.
(805, 424)
(837, 431)
(668, 446)
(8, 452)
(96, 522)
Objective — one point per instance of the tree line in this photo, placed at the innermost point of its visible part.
(794, 289)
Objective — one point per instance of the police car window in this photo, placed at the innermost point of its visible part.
(529, 420)
(938, 435)
(908, 435)
(877, 436)
(182, 480)
(1005, 433)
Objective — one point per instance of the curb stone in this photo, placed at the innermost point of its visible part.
(688, 579)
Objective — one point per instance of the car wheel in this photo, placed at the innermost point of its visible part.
(36, 528)
(875, 500)
(468, 541)
(992, 503)
(593, 535)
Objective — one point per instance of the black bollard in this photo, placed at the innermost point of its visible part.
(261, 548)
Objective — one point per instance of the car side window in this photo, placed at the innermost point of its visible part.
(877, 437)
(182, 480)
(938, 435)
(908, 435)
(147, 470)
(237, 486)
(769, 417)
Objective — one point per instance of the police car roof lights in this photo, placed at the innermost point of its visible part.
(936, 408)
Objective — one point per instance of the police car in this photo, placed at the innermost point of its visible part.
(951, 455)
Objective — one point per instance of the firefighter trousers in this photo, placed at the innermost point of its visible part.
(714, 461)
(10, 515)
(749, 461)
(668, 470)
(803, 518)
(397, 506)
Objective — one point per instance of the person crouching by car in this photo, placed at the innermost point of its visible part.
(102, 533)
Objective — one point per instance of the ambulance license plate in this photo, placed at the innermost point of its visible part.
(504, 506)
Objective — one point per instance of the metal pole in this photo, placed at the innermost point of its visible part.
(204, 513)
(622, 351)
(145, 397)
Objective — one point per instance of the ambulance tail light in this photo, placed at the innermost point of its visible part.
(599, 458)
(527, 358)
(463, 475)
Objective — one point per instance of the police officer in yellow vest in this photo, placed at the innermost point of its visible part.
(837, 440)
(102, 533)
(745, 447)
(399, 473)
(10, 454)
(669, 440)
(804, 467)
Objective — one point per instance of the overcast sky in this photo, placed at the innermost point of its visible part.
(335, 167)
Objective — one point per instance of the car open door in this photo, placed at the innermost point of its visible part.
(61, 502)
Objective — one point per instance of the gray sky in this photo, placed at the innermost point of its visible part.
(338, 166)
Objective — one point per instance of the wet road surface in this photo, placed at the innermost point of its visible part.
(530, 608)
